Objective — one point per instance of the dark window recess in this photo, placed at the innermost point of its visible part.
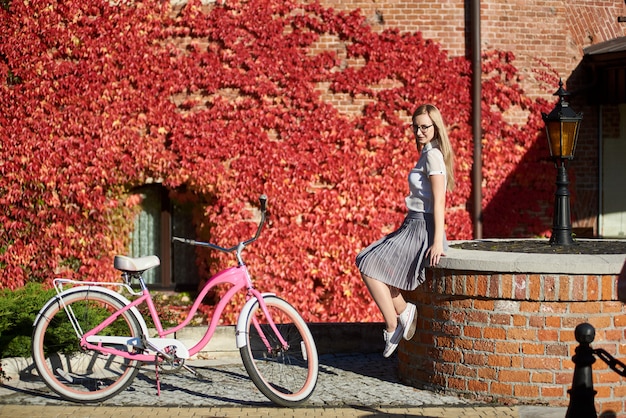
(159, 219)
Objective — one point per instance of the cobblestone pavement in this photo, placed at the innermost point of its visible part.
(352, 385)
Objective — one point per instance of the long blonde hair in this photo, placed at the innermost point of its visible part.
(440, 140)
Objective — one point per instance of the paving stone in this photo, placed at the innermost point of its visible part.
(349, 385)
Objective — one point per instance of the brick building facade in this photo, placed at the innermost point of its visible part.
(555, 33)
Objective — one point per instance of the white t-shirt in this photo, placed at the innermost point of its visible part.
(430, 163)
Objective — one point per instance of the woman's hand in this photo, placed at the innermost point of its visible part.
(434, 254)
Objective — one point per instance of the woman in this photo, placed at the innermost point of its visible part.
(397, 261)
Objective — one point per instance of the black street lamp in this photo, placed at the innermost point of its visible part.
(562, 125)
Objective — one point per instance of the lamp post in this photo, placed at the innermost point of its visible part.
(562, 125)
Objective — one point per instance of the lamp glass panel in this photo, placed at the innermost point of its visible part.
(562, 134)
(569, 138)
(554, 137)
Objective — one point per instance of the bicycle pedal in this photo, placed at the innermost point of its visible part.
(192, 371)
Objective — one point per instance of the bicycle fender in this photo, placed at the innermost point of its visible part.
(240, 331)
(120, 298)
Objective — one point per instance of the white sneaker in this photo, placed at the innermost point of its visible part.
(408, 319)
(391, 340)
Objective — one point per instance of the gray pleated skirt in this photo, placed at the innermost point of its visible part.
(399, 259)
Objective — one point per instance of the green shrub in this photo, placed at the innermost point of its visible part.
(18, 309)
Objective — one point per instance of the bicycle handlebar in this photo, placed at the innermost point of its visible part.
(240, 245)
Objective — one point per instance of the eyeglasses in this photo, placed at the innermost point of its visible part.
(422, 128)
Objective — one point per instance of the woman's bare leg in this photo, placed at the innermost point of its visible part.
(388, 299)
(398, 300)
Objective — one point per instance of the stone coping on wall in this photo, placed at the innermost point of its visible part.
(496, 261)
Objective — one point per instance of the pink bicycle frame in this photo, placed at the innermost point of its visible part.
(238, 277)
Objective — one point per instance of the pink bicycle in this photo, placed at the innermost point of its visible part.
(109, 339)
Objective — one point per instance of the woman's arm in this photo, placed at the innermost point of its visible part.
(438, 183)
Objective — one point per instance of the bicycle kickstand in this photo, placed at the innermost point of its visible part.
(156, 371)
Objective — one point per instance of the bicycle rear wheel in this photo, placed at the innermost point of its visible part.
(69, 370)
(286, 375)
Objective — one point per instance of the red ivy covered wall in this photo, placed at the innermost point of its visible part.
(227, 102)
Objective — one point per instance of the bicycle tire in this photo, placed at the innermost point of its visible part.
(288, 376)
(72, 372)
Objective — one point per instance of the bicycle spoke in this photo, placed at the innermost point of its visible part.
(286, 374)
(68, 369)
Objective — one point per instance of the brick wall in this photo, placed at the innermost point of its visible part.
(539, 33)
(509, 338)
(535, 30)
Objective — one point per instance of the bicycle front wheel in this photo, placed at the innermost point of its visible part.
(286, 374)
(69, 370)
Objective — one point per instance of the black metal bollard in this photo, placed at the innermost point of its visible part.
(581, 402)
